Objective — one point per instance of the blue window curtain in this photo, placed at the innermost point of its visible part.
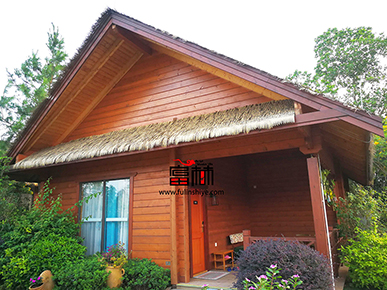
(117, 212)
(105, 217)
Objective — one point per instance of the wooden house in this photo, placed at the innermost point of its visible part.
(136, 99)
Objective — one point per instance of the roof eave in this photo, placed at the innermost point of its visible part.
(42, 110)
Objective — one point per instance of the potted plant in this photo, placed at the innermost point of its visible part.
(43, 282)
(36, 283)
(114, 258)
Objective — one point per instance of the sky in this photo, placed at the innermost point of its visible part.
(274, 36)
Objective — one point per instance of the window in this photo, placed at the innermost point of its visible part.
(105, 217)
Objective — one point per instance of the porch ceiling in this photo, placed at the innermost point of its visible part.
(351, 147)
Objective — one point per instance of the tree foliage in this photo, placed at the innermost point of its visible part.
(351, 67)
(29, 85)
(380, 162)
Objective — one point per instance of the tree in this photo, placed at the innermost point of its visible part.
(380, 162)
(351, 67)
(28, 86)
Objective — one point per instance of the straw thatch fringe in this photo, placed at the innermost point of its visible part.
(196, 128)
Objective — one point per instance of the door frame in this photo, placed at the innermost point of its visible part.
(206, 252)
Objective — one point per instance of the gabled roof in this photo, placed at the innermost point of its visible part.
(117, 42)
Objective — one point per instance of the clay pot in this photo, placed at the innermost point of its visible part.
(114, 279)
(48, 283)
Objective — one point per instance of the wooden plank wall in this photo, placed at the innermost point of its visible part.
(267, 193)
(231, 216)
(160, 88)
(282, 184)
(151, 211)
(282, 204)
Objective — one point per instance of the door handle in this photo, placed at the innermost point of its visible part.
(202, 226)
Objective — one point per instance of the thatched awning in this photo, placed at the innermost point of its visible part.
(206, 126)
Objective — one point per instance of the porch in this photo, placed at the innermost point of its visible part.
(267, 193)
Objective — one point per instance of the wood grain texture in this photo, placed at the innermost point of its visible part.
(267, 193)
(158, 89)
(151, 211)
(101, 69)
(319, 215)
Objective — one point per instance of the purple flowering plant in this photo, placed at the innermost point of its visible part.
(272, 280)
(36, 282)
(115, 255)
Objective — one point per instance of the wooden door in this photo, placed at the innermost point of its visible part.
(197, 234)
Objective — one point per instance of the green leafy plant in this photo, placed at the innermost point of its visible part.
(145, 274)
(44, 237)
(380, 163)
(50, 252)
(366, 256)
(115, 255)
(329, 185)
(36, 282)
(272, 281)
(84, 274)
(362, 208)
(12, 204)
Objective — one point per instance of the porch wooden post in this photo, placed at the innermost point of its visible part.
(173, 226)
(318, 208)
(246, 238)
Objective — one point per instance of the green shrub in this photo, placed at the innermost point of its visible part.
(39, 239)
(46, 217)
(49, 253)
(86, 274)
(362, 208)
(292, 258)
(12, 203)
(366, 256)
(145, 274)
